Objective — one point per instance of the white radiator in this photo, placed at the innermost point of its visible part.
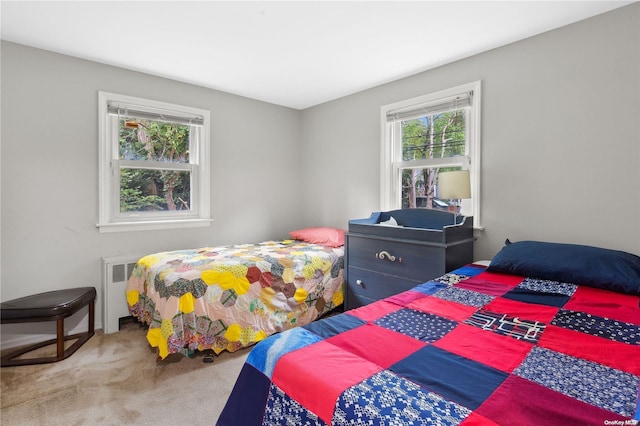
(115, 274)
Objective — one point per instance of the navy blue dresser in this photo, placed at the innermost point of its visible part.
(393, 251)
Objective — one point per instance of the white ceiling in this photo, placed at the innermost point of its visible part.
(292, 53)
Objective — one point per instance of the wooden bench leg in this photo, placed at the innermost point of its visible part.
(9, 360)
(92, 325)
(60, 338)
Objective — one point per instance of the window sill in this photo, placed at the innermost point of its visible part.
(152, 225)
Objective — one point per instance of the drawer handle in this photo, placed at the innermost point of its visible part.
(386, 255)
(360, 283)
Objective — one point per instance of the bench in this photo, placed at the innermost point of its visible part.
(49, 306)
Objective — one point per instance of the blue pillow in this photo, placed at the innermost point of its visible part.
(570, 263)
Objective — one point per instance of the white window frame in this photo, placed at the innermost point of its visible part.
(391, 164)
(110, 218)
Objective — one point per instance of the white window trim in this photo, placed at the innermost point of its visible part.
(108, 220)
(389, 174)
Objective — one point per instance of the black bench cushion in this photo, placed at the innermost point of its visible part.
(47, 306)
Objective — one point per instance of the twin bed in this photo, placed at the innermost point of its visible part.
(547, 334)
(230, 297)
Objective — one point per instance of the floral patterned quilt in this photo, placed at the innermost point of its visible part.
(230, 297)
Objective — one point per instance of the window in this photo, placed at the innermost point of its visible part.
(427, 135)
(154, 164)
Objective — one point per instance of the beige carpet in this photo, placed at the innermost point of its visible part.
(115, 380)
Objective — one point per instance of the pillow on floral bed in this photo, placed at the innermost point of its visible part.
(331, 237)
(593, 266)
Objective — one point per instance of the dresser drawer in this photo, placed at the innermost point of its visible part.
(415, 262)
(366, 286)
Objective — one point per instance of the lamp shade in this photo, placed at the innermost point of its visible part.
(454, 185)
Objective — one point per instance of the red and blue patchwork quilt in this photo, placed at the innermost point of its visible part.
(472, 348)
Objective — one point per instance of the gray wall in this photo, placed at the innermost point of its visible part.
(560, 138)
(50, 170)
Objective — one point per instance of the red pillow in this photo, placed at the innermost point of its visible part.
(331, 237)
